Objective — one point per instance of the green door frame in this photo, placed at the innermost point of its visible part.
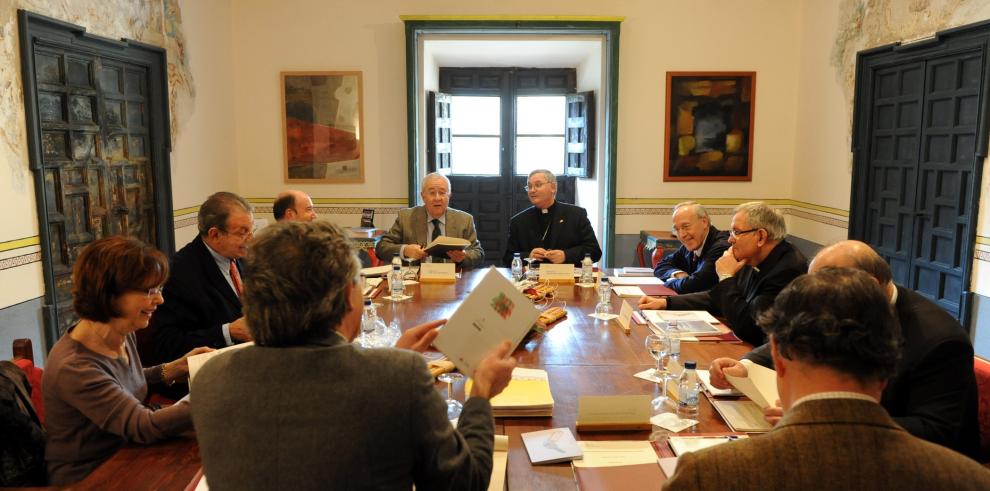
(417, 27)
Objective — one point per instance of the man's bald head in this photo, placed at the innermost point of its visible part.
(853, 254)
(293, 205)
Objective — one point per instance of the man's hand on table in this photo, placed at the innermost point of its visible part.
(647, 302)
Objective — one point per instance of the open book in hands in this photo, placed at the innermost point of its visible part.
(759, 385)
(442, 244)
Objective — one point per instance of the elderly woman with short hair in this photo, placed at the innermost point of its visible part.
(94, 383)
(306, 409)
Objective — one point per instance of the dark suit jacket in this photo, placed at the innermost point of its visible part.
(830, 444)
(700, 270)
(742, 298)
(333, 416)
(569, 231)
(933, 393)
(410, 228)
(198, 301)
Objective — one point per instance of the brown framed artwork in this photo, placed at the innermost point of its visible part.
(709, 130)
(322, 130)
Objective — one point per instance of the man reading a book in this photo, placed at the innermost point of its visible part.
(418, 226)
(306, 408)
(933, 393)
(691, 268)
(834, 342)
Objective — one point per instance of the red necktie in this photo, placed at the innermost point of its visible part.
(235, 278)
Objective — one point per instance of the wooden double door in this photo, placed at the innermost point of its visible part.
(97, 119)
(920, 137)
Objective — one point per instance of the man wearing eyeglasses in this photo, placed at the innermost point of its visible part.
(691, 268)
(202, 295)
(550, 231)
(757, 266)
(416, 227)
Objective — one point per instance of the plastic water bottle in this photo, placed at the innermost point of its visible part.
(605, 291)
(587, 270)
(604, 297)
(392, 333)
(687, 392)
(396, 260)
(675, 340)
(517, 270)
(368, 324)
(396, 287)
(380, 337)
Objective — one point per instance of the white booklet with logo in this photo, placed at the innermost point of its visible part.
(495, 311)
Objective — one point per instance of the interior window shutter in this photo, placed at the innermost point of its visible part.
(438, 128)
(579, 137)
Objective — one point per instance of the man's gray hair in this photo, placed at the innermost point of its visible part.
(546, 175)
(295, 282)
(433, 175)
(216, 210)
(761, 215)
(699, 210)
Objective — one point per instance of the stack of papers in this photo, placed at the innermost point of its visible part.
(684, 444)
(630, 271)
(628, 291)
(527, 395)
(634, 280)
(689, 322)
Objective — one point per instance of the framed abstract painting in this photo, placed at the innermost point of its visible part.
(709, 130)
(322, 130)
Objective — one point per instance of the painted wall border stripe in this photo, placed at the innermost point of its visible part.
(19, 243)
(732, 202)
(483, 17)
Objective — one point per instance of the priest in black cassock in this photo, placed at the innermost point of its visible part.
(550, 231)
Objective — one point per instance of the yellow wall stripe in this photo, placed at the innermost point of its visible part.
(732, 202)
(571, 18)
(19, 243)
(340, 201)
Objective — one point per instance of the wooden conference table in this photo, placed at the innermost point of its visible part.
(582, 355)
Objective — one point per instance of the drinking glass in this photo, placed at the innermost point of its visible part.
(532, 272)
(453, 405)
(658, 347)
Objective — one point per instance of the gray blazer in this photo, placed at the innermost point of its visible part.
(410, 228)
(830, 444)
(333, 416)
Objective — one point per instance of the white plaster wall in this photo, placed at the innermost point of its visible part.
(730, 36)
(822, 156)
(203, 156)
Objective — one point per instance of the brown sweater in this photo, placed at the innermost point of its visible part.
(93, 407)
